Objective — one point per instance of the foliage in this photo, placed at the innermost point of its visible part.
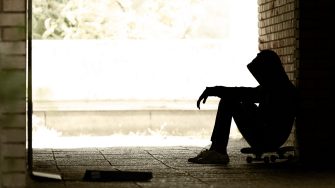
(63, 19)
(93, 19)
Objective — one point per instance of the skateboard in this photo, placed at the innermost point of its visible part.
(269, 155)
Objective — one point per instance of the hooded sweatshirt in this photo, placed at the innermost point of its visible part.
(277, 95)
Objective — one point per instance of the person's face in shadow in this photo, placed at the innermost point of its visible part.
(267, 69)
(258, 70)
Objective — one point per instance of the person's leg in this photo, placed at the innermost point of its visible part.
(221, 130)
(247, 120)
(249, 123)
(254, 130)
(220, 135)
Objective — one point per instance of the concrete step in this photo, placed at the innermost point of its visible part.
(147, 122)
(102, 118)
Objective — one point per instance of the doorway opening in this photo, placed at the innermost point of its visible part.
(125, 73)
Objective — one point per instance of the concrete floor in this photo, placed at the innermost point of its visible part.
(170, 168)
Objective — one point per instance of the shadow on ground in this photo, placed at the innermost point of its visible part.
(170, 168)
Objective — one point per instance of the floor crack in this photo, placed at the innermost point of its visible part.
(187, 173)
(105, 158)
(57, 167)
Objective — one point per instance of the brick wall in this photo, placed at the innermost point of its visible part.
(299, 31)
(278, 31)
(12, 93)
(315, 123)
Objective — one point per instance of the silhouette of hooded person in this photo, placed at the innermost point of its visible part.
(264, 114)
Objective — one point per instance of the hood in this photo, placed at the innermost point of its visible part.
(268, 70)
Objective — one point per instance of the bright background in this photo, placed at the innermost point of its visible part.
(140, 50)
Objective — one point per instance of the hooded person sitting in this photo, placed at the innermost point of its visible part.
(265, 126)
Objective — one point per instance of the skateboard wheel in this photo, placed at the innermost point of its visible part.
(273, 158)
(266, 160)
(249, 159)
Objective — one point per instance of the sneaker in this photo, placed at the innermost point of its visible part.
(210, 157)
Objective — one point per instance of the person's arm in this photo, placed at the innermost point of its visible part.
(249, 94)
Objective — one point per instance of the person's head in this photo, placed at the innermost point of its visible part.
(266, 67)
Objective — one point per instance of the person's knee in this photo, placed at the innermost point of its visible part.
(227, 102)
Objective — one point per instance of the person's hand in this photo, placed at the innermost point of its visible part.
(203, 97)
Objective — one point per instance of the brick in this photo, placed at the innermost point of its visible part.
(14, 135)
(14, 165)
(14, 180)
(13, 85)
(13, 48)
(13, 62)
(13, 107)
(13, 34)
(289, 67)
(14, 150)
(13, 120)
(12, 19)
(14, 5)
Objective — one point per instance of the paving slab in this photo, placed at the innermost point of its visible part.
(170, 168)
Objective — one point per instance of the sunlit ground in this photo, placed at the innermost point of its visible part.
(117, 141)
(50, 139)
(147, 69)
